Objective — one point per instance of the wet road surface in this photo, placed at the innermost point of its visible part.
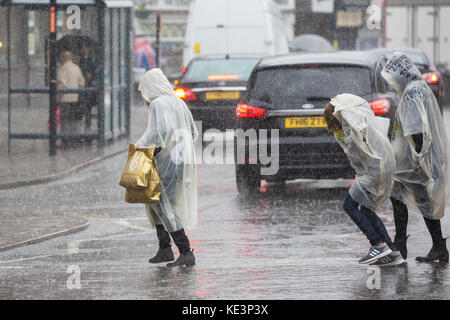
(287, 243)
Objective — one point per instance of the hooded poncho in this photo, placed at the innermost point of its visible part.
(421, 179)
(171, 128)
(365, 142)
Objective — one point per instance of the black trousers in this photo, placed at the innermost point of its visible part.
(401, 222)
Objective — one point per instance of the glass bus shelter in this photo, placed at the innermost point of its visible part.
(101, 26)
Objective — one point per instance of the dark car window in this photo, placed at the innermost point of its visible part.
(312, 83)
(382, 85)
(220, 69)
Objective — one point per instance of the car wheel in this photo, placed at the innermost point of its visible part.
(247, 182)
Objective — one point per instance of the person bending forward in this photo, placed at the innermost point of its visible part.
(363, 137)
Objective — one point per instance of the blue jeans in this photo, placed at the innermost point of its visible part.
(368, 222)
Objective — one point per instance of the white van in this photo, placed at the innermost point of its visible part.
(234, 27)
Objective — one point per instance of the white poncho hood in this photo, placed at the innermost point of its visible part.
(421, 179)
(155, 84)
(399, 72)
(364, 140)
(171, 128)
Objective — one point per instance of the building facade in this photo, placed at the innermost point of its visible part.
(174, 14)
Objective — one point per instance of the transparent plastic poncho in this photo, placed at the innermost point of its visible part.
(171, 128)
(421, 178)
(364, 140)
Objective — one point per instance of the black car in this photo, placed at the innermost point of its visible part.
(211, 85)
(289, 93)
(430, 72)
(444, 70)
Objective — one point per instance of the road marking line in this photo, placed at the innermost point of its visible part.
(116, 236)
(129, 225)
(30, 258)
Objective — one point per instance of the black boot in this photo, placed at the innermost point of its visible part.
(400, 245)
(401, 224)
(164, 253)
(438, 252)
(439, 249)
(186, 257)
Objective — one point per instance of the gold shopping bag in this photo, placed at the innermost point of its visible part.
(140, 177)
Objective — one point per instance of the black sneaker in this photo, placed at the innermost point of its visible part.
(392, 259)
(375, 253)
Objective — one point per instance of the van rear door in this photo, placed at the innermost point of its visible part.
(246, 33)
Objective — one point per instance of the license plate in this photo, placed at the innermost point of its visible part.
(305, 122)
(217, 95)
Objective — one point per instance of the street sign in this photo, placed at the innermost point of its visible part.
(322, 6)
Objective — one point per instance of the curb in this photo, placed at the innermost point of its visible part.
(57, 176)
(47, 236)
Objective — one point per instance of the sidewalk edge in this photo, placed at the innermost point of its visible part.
(47, 237)
(57, 176)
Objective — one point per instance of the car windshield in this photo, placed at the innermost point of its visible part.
(220, 69)
(310, 83)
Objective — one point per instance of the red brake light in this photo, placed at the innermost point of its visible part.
(380, 106)
(183, 70)
(246, 111)
(431, 77)
(185, 94)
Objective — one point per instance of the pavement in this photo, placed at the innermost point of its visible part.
(29, 163)
(288, 242)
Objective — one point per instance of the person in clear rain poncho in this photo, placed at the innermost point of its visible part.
(171, 131)
(419, 142)
(363, 137)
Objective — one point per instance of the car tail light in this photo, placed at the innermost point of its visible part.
(380, 106)
(183, 70)
(431, 77)
(246, 111)
(185, 94)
